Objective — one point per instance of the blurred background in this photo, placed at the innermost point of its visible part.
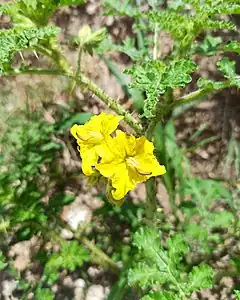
(40, 155)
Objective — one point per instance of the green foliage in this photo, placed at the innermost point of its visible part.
(121, 8)
(3, 262)
(237, 294)
(70, 257)
(209, 46)
(13, 41)
(33, 179)
(161, 268)
(79, 118)
(228, 68)
(185, 23)
(127, 47)
(154, 78)
(160, 296)
(233, 46)
(34, 12)
(89, 40)
(43, 293)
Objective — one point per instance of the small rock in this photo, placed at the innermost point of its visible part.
(80, 283)
(8, 287)
(109, 20)
(66, 234)
(93, 272)
(79, 294)
(95, 292)
(68, 281)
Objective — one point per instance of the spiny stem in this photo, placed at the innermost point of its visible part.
(151, 189)
(110, 102)
(202, 92)
(78, 70)
(90, 86)
(155, 43)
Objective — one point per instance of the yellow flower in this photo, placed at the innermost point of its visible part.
(93, 135)
(128, 161)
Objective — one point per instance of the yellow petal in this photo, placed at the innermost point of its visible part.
(146, 162)
(89, 159)
(122, 182)
(96, 129)
(109, 123)
(74, 131)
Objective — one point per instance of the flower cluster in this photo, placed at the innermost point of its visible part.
(123, 159)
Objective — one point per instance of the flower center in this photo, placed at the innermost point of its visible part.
(91, 137)
(95, 134)
(131, 162)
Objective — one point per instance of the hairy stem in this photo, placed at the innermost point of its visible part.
(155, 43)
(110, 102)
(151, 198)
(90, 86)
(201, 93)
(151, 188)
(78, 70)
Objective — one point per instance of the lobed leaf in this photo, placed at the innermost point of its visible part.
(13, 41)
(201, 277)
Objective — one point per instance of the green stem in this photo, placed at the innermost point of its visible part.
(96, 90)
(155, 43)
(110, 102)
(191, 97)
(150, 129)
(36, 71)
(78, 70)
(102, 258)
(90, 86)
(151, 188)
(201, 93)
(151, 203)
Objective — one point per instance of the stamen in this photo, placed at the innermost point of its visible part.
(81, 138)
(141, 172)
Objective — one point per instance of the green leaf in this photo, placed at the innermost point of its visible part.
(79, 118)
(221, 219)
(177, 73)
(233, 46)
(237, 293)
(209, 46)
(201, 277)
(89, 40)
(148, 77)
(227, 66)
(43, 293)
(161, 296)
(204, 83)
(29, 13)
(13, 41)
(121, 8)
(71, 256)
(145, 275)
(146, 237)
(177, 248)
(154, 78)
(3, 262)
(51, 146)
